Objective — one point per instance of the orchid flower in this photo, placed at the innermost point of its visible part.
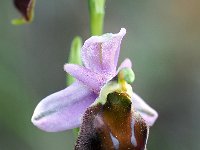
(64, 110)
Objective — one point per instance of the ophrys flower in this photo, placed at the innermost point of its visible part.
(64, 109)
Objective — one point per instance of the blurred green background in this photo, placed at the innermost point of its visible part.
(163, 40)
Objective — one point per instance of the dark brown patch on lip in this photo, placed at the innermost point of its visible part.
(117, 115)
(94, 134)
(102, 123)
(25, 8)
(140, 131)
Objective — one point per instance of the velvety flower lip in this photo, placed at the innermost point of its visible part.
(64, 109)
(113, 125)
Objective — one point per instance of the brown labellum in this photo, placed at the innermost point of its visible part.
(112, 126)
(25, 7)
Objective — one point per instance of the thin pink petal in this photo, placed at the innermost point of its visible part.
(89, 78)
(125, 64)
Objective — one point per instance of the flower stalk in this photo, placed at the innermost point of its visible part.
(96, 13)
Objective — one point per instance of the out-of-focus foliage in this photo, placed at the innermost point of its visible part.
(162, 41)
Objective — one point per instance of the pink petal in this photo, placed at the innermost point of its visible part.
(147, 113)
(63, 110)
(100, 53)
(125, 64)
(89, 78)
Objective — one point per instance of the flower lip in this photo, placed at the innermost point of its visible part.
(113, 124)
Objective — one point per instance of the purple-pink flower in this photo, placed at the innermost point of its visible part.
(63, 110)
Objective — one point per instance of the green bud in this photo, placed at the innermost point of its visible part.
(127, 74)
(26, 8)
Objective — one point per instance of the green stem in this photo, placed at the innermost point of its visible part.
(96, 12)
